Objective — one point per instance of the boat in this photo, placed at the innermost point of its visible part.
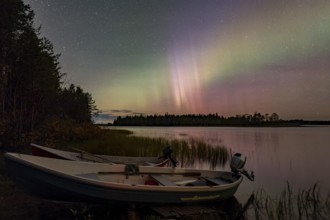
(102, 183)
(43, 151)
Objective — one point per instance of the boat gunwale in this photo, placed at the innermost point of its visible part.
(75, 156)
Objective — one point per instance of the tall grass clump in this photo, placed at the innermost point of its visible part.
(305, 204)
(122, 143)
(196, 149)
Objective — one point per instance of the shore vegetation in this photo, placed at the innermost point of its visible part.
(305, 203)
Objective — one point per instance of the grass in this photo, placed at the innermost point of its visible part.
(67, 134)
(122, 143)
(303, 204)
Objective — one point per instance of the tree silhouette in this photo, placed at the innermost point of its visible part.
(257, 119)
(31, 83)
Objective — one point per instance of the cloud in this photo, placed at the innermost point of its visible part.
(108, 116)
(121, 111)
(104, 118)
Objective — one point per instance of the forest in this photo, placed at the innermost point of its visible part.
(246, 120)
(34, 97)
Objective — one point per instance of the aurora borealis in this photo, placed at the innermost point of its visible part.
(194, 56)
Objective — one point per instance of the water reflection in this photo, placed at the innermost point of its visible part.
(298, 155)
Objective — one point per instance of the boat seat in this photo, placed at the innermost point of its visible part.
(215, 181)
(162, 180)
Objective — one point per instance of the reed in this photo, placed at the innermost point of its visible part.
(305, 204)
(122, 143)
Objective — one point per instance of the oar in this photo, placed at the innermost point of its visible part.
(82, 152)
(153, 172)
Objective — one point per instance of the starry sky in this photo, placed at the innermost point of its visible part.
(194, 56)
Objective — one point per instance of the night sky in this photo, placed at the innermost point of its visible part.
(194, 57)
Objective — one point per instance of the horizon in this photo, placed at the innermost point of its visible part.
(109, 119)
(196, 57)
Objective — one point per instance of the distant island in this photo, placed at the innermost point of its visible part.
(246, 120)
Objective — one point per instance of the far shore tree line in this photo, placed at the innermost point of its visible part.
(33, 92)
(248, 120)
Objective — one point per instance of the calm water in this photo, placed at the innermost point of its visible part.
(299, 155)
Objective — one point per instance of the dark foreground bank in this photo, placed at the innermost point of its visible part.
(15, 204)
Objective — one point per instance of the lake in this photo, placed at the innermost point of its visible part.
(277, 155)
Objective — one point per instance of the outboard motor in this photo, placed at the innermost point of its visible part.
(167, 154)
(237, 163)
(237, 166)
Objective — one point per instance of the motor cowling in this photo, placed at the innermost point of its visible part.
(237, 166)
(237, 162)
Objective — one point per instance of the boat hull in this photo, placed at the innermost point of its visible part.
(53, 185)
